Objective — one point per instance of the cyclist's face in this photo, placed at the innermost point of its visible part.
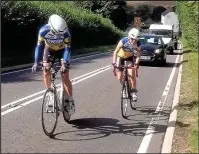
(132, 41)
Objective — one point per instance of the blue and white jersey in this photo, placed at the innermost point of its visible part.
(54, 41)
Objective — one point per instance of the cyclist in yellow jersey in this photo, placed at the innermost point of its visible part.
(126, 50)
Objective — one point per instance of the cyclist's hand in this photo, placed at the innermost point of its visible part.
(65, 66)
(136, 66)
(35, 67)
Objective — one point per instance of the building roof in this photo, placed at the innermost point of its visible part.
(167, 11)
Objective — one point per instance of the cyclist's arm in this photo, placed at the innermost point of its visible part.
(67, 52)
(39, 48)
(117, 49)
(138, 56)
(40, 43)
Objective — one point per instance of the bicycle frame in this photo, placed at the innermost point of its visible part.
(125, 67)
(53, 78)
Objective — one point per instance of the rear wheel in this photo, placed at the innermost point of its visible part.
(50, 112)
(66, 115)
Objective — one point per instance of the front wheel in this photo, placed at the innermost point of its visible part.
(125, 99)
(50, 112)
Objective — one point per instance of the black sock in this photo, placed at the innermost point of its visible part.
(134, 90)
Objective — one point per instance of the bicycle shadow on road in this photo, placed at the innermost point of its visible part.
(96, 128)
(149, 112)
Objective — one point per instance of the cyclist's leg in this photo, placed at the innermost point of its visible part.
(119, 62)
(67, 83)
(132, 77)
(65, 76)
(46, 70)
(132, 74)
(68, 89)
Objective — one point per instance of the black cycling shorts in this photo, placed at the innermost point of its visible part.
(58, 54)
(120, 61)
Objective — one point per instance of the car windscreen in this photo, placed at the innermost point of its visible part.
(150, 40)
(165, 33)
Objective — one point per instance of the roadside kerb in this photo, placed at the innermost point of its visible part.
(168, 138)
(12, 68)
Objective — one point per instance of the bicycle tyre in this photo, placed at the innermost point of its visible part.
(50, 133)
(66, 115)
(124, 105)
(132, 103)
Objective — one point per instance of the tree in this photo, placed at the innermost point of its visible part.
(114, 10)
(156, 15)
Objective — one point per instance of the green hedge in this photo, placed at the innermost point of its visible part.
(22, 20)
(188, 16)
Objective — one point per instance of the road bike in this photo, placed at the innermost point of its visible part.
(126, 89)
(58, 105)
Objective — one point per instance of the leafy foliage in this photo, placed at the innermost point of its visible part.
(114, 10)
(188, 18)
(22, 20)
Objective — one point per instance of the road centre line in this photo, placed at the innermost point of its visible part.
(37, 98)
(151, 128)
(35, 94)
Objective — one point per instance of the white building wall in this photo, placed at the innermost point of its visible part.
(162, 19)
(171, 19)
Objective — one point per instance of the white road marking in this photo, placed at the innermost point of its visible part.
(75, 82)
(151, 128)
(167, 143)
(35, 94)
(71, 60)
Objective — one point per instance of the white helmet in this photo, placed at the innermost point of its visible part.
(134, 34)
(57, 24)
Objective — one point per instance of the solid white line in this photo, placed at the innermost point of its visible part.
(35, 99)
(167, 144)
(151, 128)
(71, 60)
(24, 98)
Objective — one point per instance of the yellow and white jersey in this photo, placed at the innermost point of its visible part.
(127, 49)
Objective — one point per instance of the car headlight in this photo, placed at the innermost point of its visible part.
(157, 50)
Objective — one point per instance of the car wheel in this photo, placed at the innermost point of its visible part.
(176, 45)
(163, 61)
(170, 50)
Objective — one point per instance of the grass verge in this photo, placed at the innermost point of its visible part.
(186, 133)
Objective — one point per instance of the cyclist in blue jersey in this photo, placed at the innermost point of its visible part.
(54, 39)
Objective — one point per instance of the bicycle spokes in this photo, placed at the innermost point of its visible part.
(50, 112)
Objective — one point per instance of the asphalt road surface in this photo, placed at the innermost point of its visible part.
(97, 125)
